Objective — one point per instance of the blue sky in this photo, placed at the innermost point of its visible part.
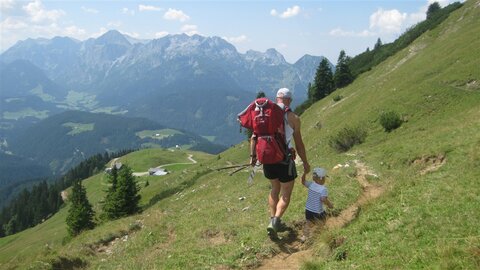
(294, 28)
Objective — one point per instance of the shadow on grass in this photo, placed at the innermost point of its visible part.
(172, 191)
(65, 263)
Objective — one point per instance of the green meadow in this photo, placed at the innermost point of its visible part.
(77, 128)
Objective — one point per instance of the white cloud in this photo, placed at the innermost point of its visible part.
(290, 12)
(149, 8)
(161, 34)
(100, 32)
(239, 39)
(189, 29)
(128, 11)
(173, 14)
(114, 24)
(11, 23)
(39, 14)
(6, 5)
(74, 31)
(89, 10)
(338, 32)
(388, 21)
(131, 34)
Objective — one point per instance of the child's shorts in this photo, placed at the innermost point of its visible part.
(314, 217)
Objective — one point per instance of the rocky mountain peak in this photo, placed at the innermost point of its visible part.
(112, 37)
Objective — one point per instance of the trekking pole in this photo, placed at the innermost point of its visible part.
(239, 169)
(252, 173)
(231, 167)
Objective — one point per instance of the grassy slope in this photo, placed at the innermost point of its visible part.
(422, 221)
(48, 236)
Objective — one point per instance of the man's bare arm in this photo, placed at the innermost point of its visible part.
(294, 122)
(253, 152)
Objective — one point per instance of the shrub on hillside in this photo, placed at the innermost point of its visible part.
(337, 98)
(390, 120)
(347, 137)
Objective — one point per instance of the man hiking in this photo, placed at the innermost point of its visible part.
(282, 174)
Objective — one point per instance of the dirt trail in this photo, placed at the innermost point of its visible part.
(293, 252)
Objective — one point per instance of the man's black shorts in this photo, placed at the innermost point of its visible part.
(280, 171)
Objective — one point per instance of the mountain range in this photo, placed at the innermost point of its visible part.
(177, 80)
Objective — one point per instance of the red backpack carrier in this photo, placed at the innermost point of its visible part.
(266, 120)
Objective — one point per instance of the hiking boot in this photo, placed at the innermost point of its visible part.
(272, 232)
(279, 225)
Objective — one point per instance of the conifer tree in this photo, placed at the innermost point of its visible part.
(378, 44)
(323, 83)
(433, 8)
(80, 215)
(343, 76)
(127, 192)
(122, 197)
(109, 204)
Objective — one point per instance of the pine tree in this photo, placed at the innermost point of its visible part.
(109, 205)
(343, 76)
(122, 197)
(323, 83)
(378, 44)
(432, 9)
(80, 215)
(127, 191)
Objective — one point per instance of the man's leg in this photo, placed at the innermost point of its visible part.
(273, 198)
(284, 200)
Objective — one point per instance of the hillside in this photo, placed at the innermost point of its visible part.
(424, 213)
(53, 230)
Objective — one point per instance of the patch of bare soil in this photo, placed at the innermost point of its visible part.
(430, 163)
(107, 244)
(292, 252)
(214, 237)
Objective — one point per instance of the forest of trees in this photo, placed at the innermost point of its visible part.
(31, 206)
(325, 81)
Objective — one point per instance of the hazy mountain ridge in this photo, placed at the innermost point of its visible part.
(63, 140)
(117, 73)
(113, 51)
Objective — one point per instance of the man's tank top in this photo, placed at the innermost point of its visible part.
(288, 128)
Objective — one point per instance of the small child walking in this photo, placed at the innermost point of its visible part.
(317, 197)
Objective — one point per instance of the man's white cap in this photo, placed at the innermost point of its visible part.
(319, 172)
(284, 93)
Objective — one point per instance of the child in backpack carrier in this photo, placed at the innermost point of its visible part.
(317, 198)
